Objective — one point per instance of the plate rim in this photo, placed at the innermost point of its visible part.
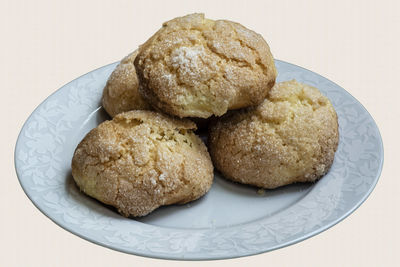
(320, 229)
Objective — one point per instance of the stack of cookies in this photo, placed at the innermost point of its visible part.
(220, 76)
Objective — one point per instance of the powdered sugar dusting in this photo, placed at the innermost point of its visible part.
(162, 177)
(229, 74)
(168, 78)
(188, 59)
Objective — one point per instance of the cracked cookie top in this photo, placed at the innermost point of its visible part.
(291, 137)
(141, 160)
(197, 67)
(121, 91)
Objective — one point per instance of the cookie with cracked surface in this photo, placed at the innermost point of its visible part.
(142, 160)
(197, 67)
(291, 137)
(121, 91)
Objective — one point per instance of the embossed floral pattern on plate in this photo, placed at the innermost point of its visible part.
(49, 136)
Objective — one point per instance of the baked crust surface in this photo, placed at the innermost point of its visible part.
(291, 137)
(197, 67)
(141, 160)
(121, 91)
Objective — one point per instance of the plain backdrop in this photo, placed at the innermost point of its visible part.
(45, 44)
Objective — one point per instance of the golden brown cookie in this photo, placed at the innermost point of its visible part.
(121, 91)
(197, 67)
(291, 137)
(141, 160)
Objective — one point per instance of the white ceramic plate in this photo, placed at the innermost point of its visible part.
(232, 220)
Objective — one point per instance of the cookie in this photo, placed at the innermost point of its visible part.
(142, 160)
(197, 67)
(121, 91)
(291, 137)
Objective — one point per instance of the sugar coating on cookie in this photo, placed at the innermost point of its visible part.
(121, 91)
(141, 160)
(197, 67)
(291, 137)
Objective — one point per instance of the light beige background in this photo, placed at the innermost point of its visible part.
(45, 44)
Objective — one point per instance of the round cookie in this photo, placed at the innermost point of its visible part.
(197, 67)
(141, 160)
(121, 91)
(291, 137)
